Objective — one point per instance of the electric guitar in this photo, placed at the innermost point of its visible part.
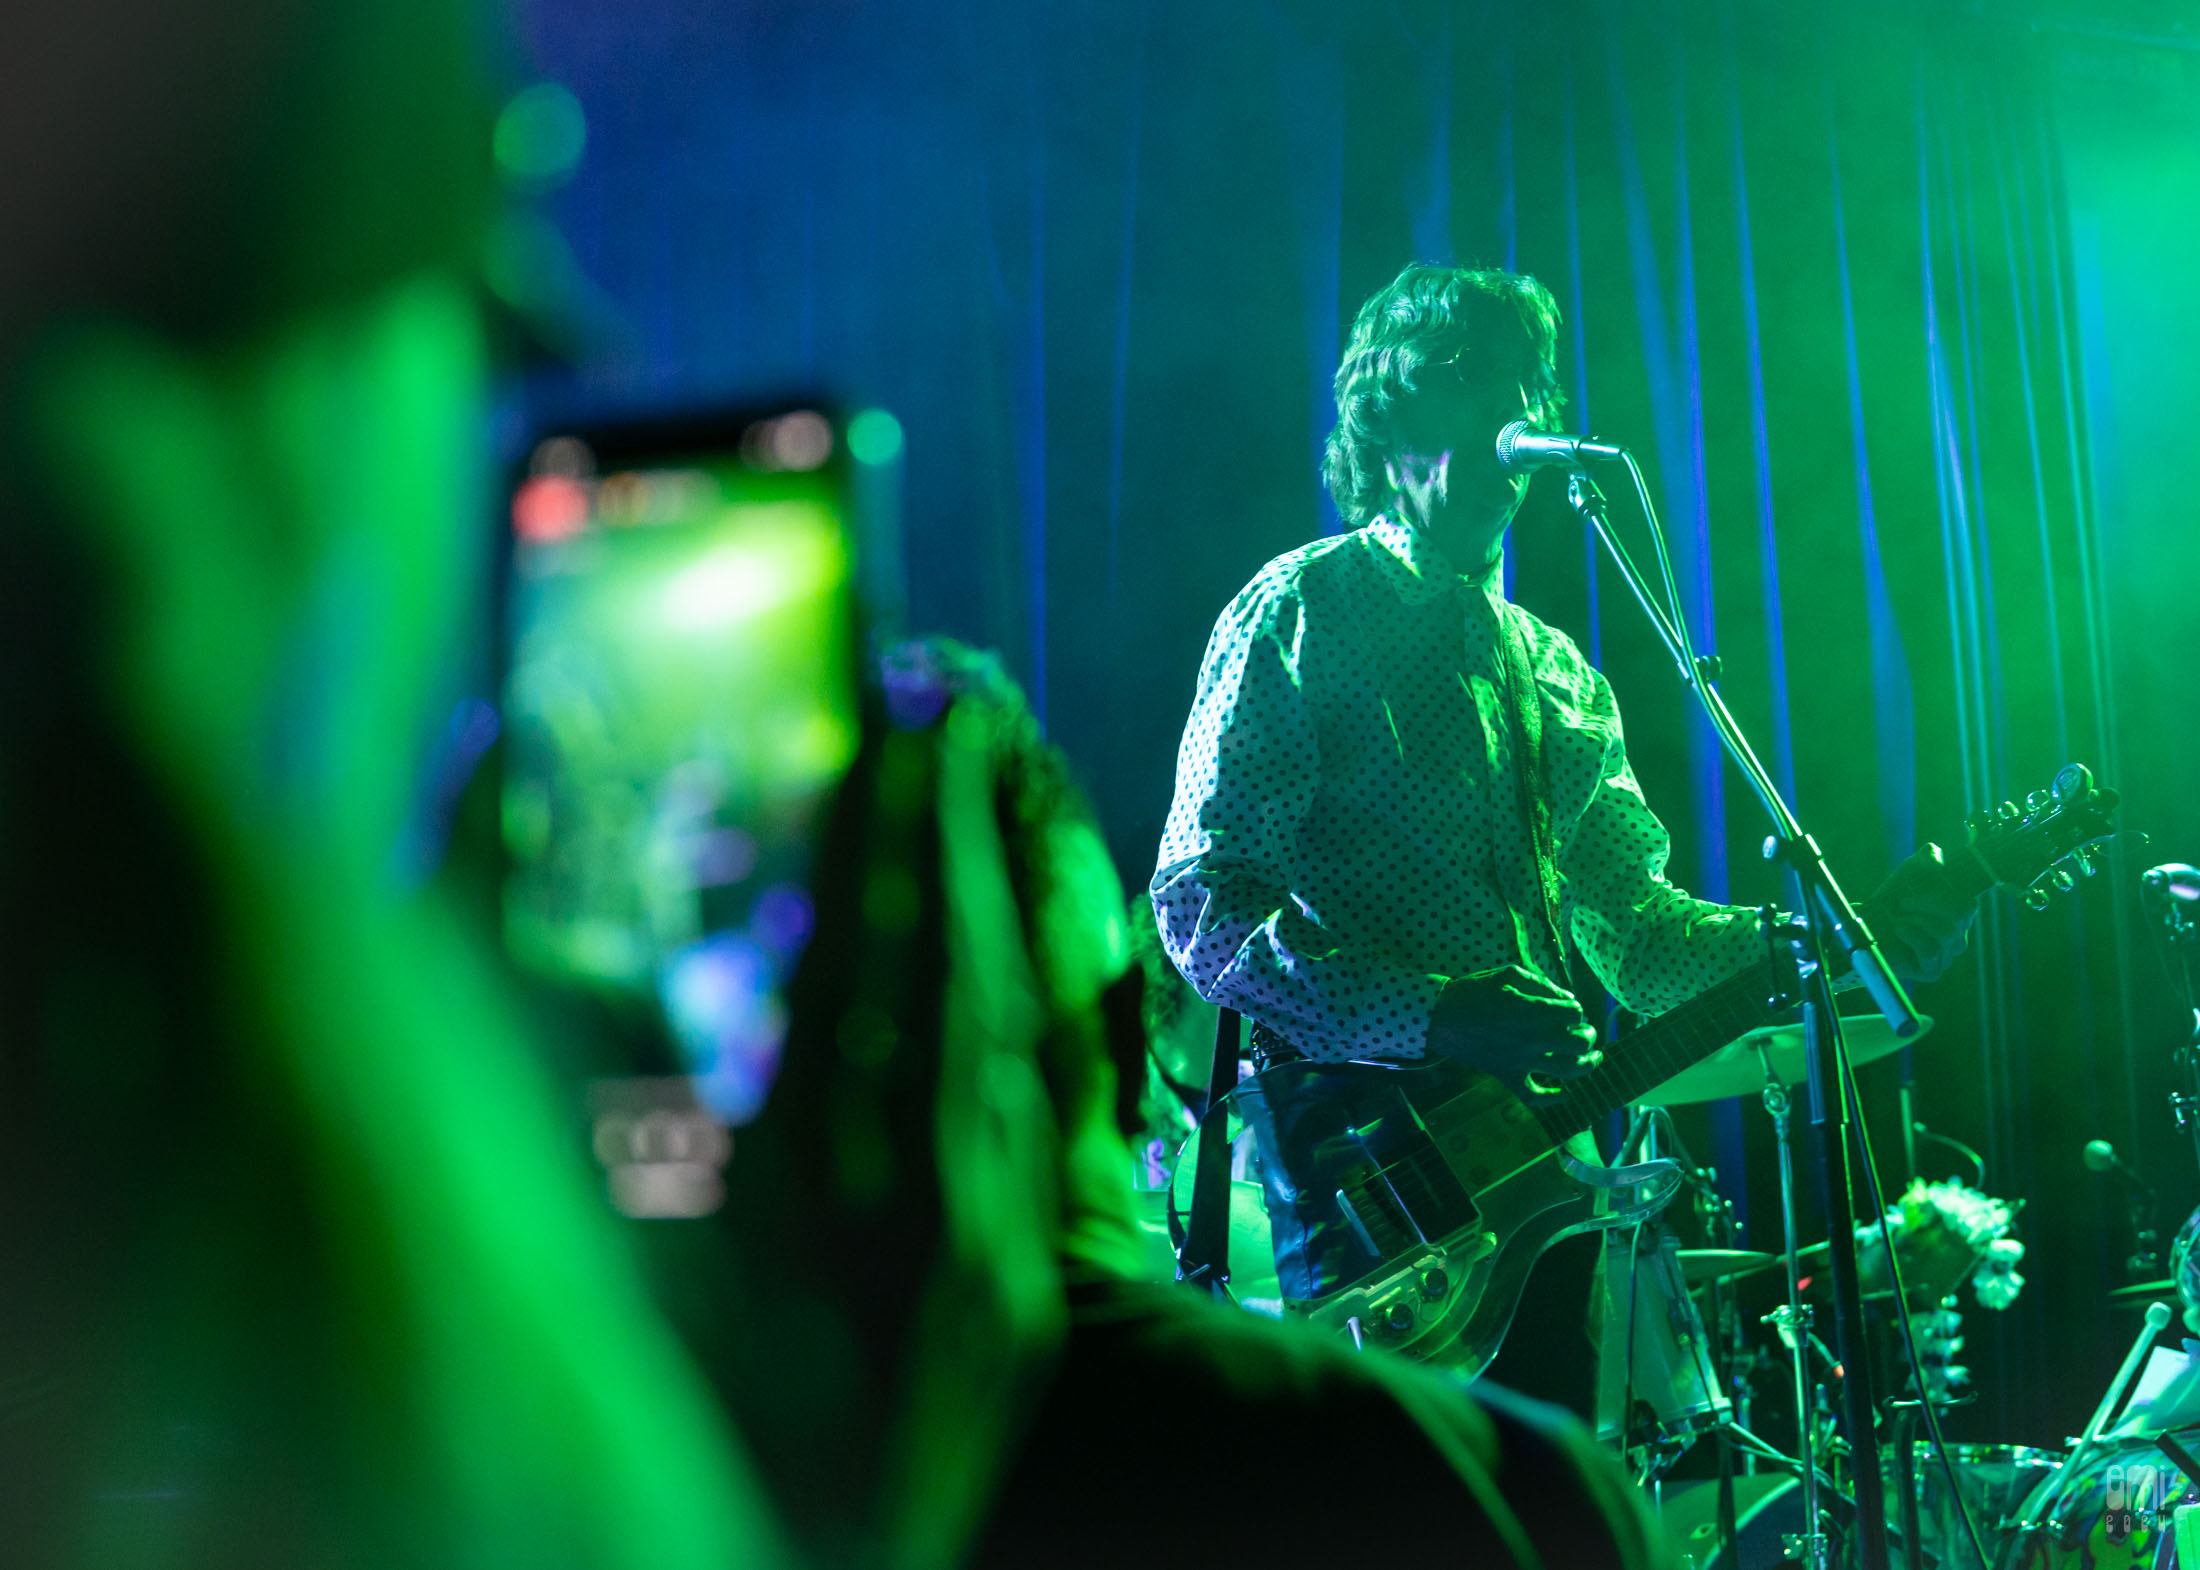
(1454, 1189)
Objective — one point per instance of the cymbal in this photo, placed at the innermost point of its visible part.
(1738, 1068)
(1700, 1265)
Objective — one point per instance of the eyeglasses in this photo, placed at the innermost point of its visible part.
(1534, 398)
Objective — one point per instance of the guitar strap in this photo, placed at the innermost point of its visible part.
(1203, 1261)
(1526, 715)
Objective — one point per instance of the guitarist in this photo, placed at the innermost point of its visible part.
(1399, 796)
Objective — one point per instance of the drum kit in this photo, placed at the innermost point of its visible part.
(2118, 1497)
(2125, 1494)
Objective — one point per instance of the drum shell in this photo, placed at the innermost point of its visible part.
(1767, 1507)
(2115, 1512)
(1994, 1480)
(1654, 1364)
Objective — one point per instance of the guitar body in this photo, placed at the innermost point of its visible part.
(1427, 1194)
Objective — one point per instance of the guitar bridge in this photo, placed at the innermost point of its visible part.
(1396, 1209)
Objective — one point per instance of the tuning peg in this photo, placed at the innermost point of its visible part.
(2038, 801)
(2036, 898)
(2088, 860)
(2062, 879)
(2006, 811)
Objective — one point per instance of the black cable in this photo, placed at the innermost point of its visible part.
(2169, 947)
(1700, 673)
(1665, 563)
(1627, 1148)
(1627, 1383)
(1902, 1309)
(1958, 1146)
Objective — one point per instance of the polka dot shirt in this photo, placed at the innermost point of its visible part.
(1347, 830)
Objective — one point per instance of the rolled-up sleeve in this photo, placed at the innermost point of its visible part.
(1651, 944)
(1248, 771)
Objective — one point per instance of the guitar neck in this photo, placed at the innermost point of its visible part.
(1652, 1054)
(1682, 1037)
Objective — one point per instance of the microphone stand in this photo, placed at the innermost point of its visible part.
(1831, 927)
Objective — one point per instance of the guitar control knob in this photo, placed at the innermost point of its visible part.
(1434, 1284)
(1399, 1317)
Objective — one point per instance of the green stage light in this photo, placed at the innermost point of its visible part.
(874, 437)
(540, 134)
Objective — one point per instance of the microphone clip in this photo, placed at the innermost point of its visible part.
(2172, 891)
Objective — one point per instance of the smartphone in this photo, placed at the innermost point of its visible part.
(680, 697)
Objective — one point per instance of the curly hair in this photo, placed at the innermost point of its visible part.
(1424, 319)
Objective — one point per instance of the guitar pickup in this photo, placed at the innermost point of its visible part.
(1414, 1300)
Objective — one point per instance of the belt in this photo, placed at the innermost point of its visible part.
(1268, 1049)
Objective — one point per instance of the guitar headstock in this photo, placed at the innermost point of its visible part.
(2044, 844)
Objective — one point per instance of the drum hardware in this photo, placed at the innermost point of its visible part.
(1657, 1391)
(1793, 1319)
(1944, 1499)
(1909, 1508)
(2141, 1293)
(1668, 1391)
(1991, 1483)
(2123, 1504)
(1768, 1507)
(2169, 892)
(2055, 1487)
(1660, 1386)
(1938, 1234)
(2179, 1456)
(2184, 1270)
(1733, 1359)
(2142, 1206)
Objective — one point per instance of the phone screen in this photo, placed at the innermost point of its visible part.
(680, 700)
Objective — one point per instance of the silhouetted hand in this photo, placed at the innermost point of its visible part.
(1511, 1023)
(1920, 923)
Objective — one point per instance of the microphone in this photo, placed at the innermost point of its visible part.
(2140, 1201)
(2171, 880)
(2100, 1156)
(1520, 447)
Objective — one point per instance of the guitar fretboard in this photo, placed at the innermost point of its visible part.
(1649, 1056)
